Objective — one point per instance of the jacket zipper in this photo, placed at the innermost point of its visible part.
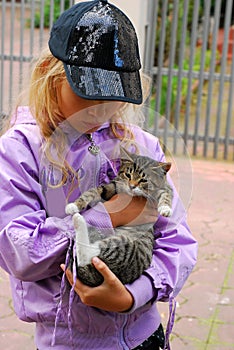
(122, 340)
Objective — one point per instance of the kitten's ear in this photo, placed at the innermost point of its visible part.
(166, 166)
(124, 154)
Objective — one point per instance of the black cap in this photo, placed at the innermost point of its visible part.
(99, 48)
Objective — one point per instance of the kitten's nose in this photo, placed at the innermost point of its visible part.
(133, 184)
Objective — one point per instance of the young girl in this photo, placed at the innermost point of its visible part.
(65, 142)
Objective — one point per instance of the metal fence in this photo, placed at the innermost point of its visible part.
(189, 51)
(193, 69)
(24, 32)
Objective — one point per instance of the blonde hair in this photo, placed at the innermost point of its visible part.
(47, 74)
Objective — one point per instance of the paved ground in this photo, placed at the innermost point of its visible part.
(204, 316)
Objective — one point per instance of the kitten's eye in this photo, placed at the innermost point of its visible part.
(128, 176)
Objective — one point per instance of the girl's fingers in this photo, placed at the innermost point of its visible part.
(108, 275)
(68, 274)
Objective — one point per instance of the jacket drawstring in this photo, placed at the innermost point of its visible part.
(72, 294)
(170, 323)
(62, 293)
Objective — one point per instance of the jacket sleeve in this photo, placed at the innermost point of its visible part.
(174, 255)
(32, 245)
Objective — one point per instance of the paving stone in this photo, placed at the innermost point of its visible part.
(225, 334)
(15, 340)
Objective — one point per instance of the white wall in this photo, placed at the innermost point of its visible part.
(136, 10)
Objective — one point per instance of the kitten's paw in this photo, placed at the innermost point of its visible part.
(71, 209)
(165, 210)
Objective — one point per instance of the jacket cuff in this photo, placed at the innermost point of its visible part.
(99, 218)
(142, 291)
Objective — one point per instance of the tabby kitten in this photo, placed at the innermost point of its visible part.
(129, 252)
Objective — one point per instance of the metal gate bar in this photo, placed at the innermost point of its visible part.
(212, 74)
(180, 73)
(228, 12)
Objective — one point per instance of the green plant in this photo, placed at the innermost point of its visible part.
(184, 82)
(47, 10)
(168, 26)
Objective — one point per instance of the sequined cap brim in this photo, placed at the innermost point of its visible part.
(101, 84)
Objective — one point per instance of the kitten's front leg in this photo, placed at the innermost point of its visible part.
(165, 210)
(91, 196)
(164, 204)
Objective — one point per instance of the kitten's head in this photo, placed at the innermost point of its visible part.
(142, 174)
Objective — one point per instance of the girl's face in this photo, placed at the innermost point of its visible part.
(85, 115)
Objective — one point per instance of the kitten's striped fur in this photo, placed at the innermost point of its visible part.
(129, 252)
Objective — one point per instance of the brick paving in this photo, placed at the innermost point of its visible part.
(204, 315)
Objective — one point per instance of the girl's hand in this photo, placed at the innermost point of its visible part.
(111, 295)
(126, 210)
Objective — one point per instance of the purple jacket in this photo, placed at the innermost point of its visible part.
(35, 235)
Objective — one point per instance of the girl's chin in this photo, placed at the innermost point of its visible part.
(88, 128)
(85, 128)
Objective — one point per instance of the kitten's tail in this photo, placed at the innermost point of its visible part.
(84, 250)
